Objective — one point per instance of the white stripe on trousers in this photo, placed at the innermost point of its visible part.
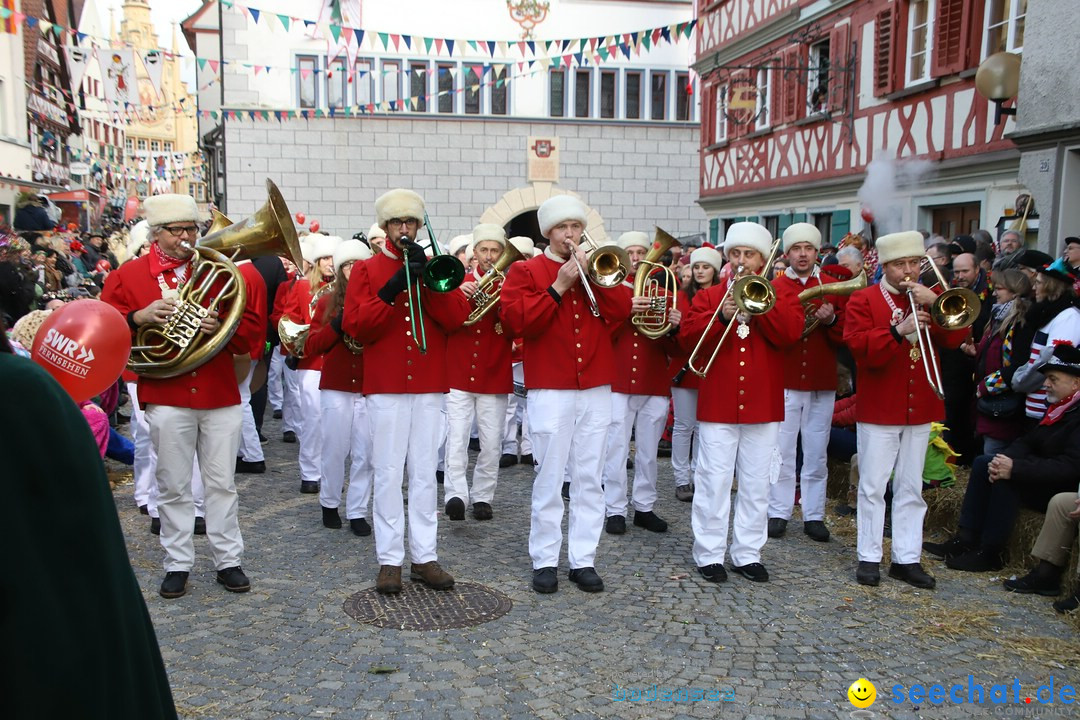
(462, 408)
(682, 434)
(145, 467)
(807, 413)
(310, 425)
(645, 416)
(569, 428)
(250, 447)
(346, 434)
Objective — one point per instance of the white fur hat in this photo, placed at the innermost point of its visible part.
(523, 244)
(488, 231)
(537, 252)
(399, 203)
(899, 245)
(707, 255)
(749, 235)
(634, 238)
(164, 209)
(559, 209)
(458, 242)
(305, 247)
(468, 255)
(323, 246)
(138, 236)
(350, 250)
(802, 232)
(376, 232)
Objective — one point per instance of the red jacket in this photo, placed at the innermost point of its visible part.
(342, 368)
(893, 389)
(811, 363)
(679, 355)
(298, 309)
(744, 385)
(566, 346)
(478, 356)
(212, 385)
(256, 290)
(279, 305)
(641, 363)
(394, 362)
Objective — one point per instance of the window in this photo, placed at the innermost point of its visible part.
(167, 146)
(719, 115)
(141, 144)
(817, 86)
(609, 81)
(418, 89)
(582, 93)
(363, 82)
(391, 82)
(1004, 26)
(557, 93)
(473, 88)
(772, 224)
(764, 95)
(499, 99)
(155, 146)
(633, 95)
(920, 30)
(307, 91)
(658, 95)
(129, 146)
(824, 223)
(683, 96)
(446, 88)
(336, 84)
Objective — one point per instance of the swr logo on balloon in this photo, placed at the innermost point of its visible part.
(66, 354)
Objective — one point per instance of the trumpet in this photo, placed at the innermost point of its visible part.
(653, 323)
(486, 294)
(607, 266)
(827, 289)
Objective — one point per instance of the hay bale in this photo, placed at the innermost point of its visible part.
(836, 487)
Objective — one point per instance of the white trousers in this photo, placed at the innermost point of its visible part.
(310, 425)
(517, 416)
(291, 419)
(645, 416)
(250, 447)
(408, 428)
(488, 411)
(569, 428)
(682, 434)
(179, 435)
(881, 448)
(346, 433)
(146, 463)
(807, 413)
(274, 383)
(724, 450)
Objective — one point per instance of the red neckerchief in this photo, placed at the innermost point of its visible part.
(160, 262)
(1058, 409)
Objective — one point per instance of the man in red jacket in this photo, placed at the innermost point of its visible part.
(809, 392)
(480, 381)
(740, 406)
(404, 383)
(568, 373)
(895, 408)
(195, 412)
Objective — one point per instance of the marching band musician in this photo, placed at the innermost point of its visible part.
(479, 384)
(196, 413)
(809, 392)
(568, 372)
(404, 387)
(895, 408)
(517, 415)
(283, 390)
(639, 404)
(344, 415)
(298, 308)
(740, 407)
(250, 457)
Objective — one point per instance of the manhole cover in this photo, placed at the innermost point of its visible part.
(418, 607)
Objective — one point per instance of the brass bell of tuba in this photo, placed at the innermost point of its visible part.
(293, 335)
(653, 323)
(485, 296)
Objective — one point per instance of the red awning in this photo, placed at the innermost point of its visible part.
(72, 196)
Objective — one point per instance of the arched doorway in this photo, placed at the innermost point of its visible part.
(516, 211)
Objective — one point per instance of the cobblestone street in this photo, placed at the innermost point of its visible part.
(786, 649)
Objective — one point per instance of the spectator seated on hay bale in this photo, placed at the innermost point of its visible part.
(1056, 539)
(1034, 468)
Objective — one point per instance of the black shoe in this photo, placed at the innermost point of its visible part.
(650, 521)
(455, 509)
(1069, 604)
(174, 585)
(714, 573)
(508, 460)
(950, 548)
(615, 525)
(980, 560)
(155, 526)
(331, 518)
(143, 510)
(545, 580)
(200, 526)
(753, 571)
(912, 574)
(277, 414)
(234, 579)
(288, 436)
(474, 444)
(481, 511)
(816, 530)
(586, 579)
(527, 459)
(1034, 583)
(566, 491)
(777, 527)
(868, 573)
(360, 527)
(263, 439)
(309, 487)
(255, 468)
(440, 477)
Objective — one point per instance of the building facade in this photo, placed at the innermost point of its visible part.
(16, 160)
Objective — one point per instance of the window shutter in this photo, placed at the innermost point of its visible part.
(714, 231)
(776, 102)
(841, 225)
(840, 56)
(792, 83)
(950, 35)
(708, 107)
(888, 33)
(783, 222)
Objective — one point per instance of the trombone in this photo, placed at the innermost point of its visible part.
(846, 287)
(442, 273)
(606, 266)
(653, 323)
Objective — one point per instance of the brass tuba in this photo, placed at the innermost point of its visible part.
(486, 296)
(293, 335)
(846, 287)
(653, 323)
(179, 346)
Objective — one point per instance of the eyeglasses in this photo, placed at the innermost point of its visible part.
(398, 222)
(180, 231)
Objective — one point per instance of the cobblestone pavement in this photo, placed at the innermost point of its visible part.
(785, 649)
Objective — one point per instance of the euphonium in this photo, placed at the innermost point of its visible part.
(486, 296)
(846, 287)
(293, 334)
(653, 323)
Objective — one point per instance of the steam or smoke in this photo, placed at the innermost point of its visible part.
(880, 191)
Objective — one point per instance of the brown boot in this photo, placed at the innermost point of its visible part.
(389, 580)
(431, 575)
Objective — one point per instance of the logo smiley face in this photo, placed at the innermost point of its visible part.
(862, 693)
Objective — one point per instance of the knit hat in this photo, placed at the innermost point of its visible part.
(558, 209)
(138, 236)
(748, 235)
(488, 232)
(27, 326)
(900, 245)
(347, 250)
(376, 232)
(1066, 358)
(523, 244)
(399, 203)
(634, 238)
(459, 242)
(164, 209)
(802, 232)
(708, 255)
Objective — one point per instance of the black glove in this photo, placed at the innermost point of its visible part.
(335, 323)
(393, 287)
(292, 362)
(416, 258)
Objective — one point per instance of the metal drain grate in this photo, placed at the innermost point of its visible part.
(418, 607)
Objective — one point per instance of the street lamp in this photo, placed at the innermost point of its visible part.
(998, 80)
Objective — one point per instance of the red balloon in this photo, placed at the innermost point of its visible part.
(867, 215)
(84, 345)
(300, 218)
(314, 226)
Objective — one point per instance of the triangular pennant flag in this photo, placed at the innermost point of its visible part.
(285, 24)
(577, 58)
(666, 34)
(384, 38)
(359, 34)
(427, 44)
(254, 15)
(396, 39)
(214, 65)
(472, 44)
(335, 32)
(438, 46)
(450, 47)
(78, 58)
(491, 48)
(565, 44)
(646, 41)
(408, 41)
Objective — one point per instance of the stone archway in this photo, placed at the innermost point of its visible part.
(529, 198)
